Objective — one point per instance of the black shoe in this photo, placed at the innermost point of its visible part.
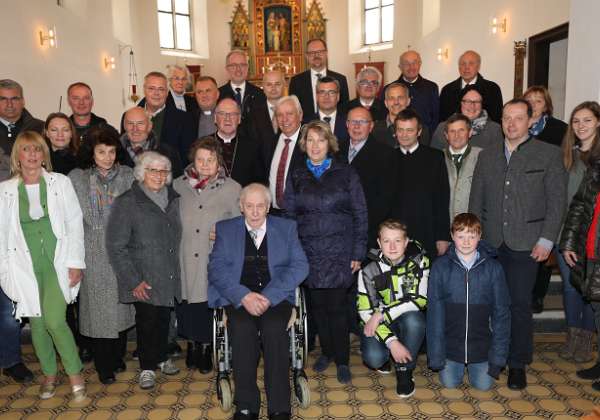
(590, 373)
(405, 386)
(135, 355)
(190, 357)
(537, 305)
(107, 378)
(386, 369)
(174, 351)
(279, 416)
(245, 415)
(517, 379)
(204, 358)
(596, 385)
(19, 373)
(121, 367)
(85, 355)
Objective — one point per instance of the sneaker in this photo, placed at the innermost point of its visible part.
(147, 379)
(321, 364)
(405, 386)
(168, 367)
(343, 374)
(590, 373)
(386, 369)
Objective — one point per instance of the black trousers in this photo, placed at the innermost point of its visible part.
(542, 281)
(152, 327)
(244, 330)
(109, 353)
(330, 315)
(194, 321)
(521, 272)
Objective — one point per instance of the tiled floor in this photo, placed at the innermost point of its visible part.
(554, 393)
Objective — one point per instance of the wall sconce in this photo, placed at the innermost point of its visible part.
(50, 38)
(442, 54)
(498, 25)
(109, 63)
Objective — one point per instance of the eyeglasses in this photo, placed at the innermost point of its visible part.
(365, 83)
(158, 172)
(5, 99)
(316, 52)
(153, 89)
(327, 92)
(226, 115)
(468, 102)
(236, 66)
(359, 122)
(179, 79)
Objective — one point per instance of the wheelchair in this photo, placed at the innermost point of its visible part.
(222, 354)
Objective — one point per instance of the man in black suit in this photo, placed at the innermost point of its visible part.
(207, 95)
(424, 94)
(81, 102)
(368, 81)
(304, 85)
(375, 163)
(282, 152)
(423, 192)
(170, 125)
(328, 97)
(238, 88)
(468, 66)
(179, 77)
(263, 122)
(240, 152)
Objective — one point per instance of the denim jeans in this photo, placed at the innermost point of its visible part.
(10, 333)
(409, 328)
(578, 312)
(452, 375)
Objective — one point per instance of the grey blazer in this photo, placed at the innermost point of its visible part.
(520, 202)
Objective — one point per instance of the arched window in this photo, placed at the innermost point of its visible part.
(174, 24)
(378, 22)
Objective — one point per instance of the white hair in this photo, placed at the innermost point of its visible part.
(172, 67)
(256, 187)
(369, 70)
(291, 98)
(148, 158)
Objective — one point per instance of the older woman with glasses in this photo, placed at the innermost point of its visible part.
(42, 255)
(142, 240)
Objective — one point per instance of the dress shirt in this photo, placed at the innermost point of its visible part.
(365, 103)
(313, 81)
(463, 83)
(242, 88)
(275, 162)
(356, 147)
(155, 113)
(322, 116)
(260, 233)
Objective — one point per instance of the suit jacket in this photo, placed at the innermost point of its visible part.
(253, 96)
(522, 201)
(492, 98)
(301, 86)
(25, 123)
(288, 266)
(339, 130)
(260, 126)
(378, 110)
(178, 130)
(375, 164)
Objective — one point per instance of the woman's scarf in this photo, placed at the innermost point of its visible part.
(199, 183)
(539, 126)
(318, 170)
(102, 194)
(479, 123)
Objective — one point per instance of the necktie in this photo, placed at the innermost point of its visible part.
(319, 75)
(238, 96)
(281, 173)
(457, 159)
(11, 129)
(351, 153)
(254, 234)
(327, 120)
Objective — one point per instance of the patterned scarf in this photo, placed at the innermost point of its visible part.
(478, 124)
(539, 126)
(198, 183)
(102, 194)
(318, 170)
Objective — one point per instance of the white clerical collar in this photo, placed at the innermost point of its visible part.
(411, 150)
(410, 81)
(158, 111)
(175, 94)
(464, 83)
(208, 112)
(365, 103)
(458, 152)
(226, 139)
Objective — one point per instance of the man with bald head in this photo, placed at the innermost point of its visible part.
(423, 93)
(263, 124)
(139, 138)
(469, 64)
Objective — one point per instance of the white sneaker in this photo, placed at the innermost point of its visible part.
(168, 367)
(147, 379)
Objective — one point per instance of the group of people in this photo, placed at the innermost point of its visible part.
(235, 197)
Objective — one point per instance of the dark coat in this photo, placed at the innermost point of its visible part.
(253, 97)
(492, 98)
(259, 126)
(143, 242)
(378, 110)
(468, 311)
(247, 166)
(25, 123)
(585, 276)
(63, 161)
(340, 130)
(164, 149)
(301, 86)
(422, 199)
(424, 98)
(332, 222)
(375, 164)
(553, 132)
(95, 121)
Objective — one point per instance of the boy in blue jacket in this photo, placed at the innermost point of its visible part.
(468, 310)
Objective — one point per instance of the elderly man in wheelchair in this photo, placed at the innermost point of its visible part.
(255, 266)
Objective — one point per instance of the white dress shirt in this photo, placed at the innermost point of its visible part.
(313, 81)
(275, 162)
(179, 101)
(463, 83)
(322, 115)
(260, 233)
(242, 88)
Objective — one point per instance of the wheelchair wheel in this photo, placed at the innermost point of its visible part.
(303, 321)
(302, 391)
(224, 393)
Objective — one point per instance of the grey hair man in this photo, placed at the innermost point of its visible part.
(368, 83)
(14, 118)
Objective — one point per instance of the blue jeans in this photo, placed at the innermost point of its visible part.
(10, 334)
(409, 328)
(452, 375)
(578, 312)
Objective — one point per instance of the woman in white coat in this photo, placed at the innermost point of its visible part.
(42, 255)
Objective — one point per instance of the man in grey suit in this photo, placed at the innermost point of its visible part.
(519, 193)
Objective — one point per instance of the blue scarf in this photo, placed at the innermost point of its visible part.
(318, 170)
(538, 127)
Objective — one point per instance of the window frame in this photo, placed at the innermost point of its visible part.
(364, 23)
(174, 15)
